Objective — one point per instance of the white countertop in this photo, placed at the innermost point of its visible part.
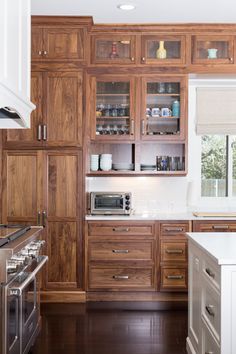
(219, 245)
(156, 216)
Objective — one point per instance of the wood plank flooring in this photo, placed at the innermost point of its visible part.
(75, 329)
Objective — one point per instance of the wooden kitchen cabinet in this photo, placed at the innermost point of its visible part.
(174, 46)
(44, 188)
(213, 49)
(113, 49)
(173, 255)
(57, 120)
(121, 256)
(57, 43)
(214, 226)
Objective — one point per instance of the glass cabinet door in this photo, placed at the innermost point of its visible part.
(212, 50)
(164, 109)
(113, 49)
(113, 110)
(163, 50)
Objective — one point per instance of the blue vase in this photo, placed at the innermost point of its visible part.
(176, 109)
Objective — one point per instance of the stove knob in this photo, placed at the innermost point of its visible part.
(127, 202)
(127, 208)
(127, 197)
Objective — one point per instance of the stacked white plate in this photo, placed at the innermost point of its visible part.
(123, 166)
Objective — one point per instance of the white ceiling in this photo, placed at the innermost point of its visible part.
(147, 11)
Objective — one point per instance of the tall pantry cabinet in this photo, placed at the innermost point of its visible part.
(43, 179)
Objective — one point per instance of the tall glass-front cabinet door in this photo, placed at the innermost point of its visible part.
(163, 112)
(112, 109)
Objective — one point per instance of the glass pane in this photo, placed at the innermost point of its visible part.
(163, 108)
(173, 49)
(108, 49)
(212, 50)
(213, 166)
(234, 165)
(113, 108)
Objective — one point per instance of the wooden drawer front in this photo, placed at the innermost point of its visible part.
(211, 308)
(209, 344)
(173, 251)
(120, 278)
(178, 229)
(120, 229)
(211, 272)
(118, 251)
(174, 278)
(214, 227)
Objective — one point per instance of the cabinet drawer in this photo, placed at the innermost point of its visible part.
(174, 278)
(118, 251)
(120, 229)
(209, 344)
(211, 308)
(216, 226)
(120, 278)
(173, 251)
(211, 272)
(174, 229)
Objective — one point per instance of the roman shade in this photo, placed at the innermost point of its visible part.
(216, 110)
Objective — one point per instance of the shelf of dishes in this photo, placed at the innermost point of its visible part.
(103, 162)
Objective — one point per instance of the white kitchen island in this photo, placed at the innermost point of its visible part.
(212, 293)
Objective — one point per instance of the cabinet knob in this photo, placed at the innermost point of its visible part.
(44, 132)
(40, 52)
(132, 58)
(45, 52)
(143, 58)
(44, 217)
(39, 133)
(231, 59)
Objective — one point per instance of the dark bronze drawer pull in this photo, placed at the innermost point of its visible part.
(210, 273)
(120, 229)
(120, 277)
(209, 309)
(175, 277)
(120, 251)
(177, 251)
(219, 227)
(174, 229)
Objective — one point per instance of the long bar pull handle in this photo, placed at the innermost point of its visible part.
(120, 277)
(209, 309)
(39, 133)
(44, 132)
(143, 127)
(210, 273)
(209, 352)
(177, 251)
(120, 251)
(44, 217)
(174, 277)
(38, 218)
(132, 127)
(174, 229)
(219, 227)
(120, 229)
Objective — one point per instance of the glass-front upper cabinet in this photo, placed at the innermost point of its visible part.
(112, 114)
(163, 50)
(164, 113)
(113, 49)
(213, 49)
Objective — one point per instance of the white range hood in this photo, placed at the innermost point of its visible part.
(15, 40)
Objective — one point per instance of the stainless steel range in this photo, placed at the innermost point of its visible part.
(20, 263)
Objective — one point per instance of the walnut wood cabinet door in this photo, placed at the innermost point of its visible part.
(57, 43)
(63, 109)
(62, 196)
(22, 185)
(32, 136)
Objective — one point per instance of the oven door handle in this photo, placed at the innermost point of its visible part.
(17, 290)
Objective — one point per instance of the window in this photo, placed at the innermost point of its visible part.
(218, 166)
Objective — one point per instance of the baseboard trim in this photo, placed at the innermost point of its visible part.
(136, 296)
(63, 296)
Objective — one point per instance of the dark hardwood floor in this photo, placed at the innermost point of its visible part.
(75, 329)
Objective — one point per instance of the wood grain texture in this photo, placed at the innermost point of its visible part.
(63, 108)
(122, 228)
(61, 296)
(174, 251)
(36, 42)
(174, 278)
(214, 226)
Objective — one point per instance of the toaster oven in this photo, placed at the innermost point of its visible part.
(110, 203)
